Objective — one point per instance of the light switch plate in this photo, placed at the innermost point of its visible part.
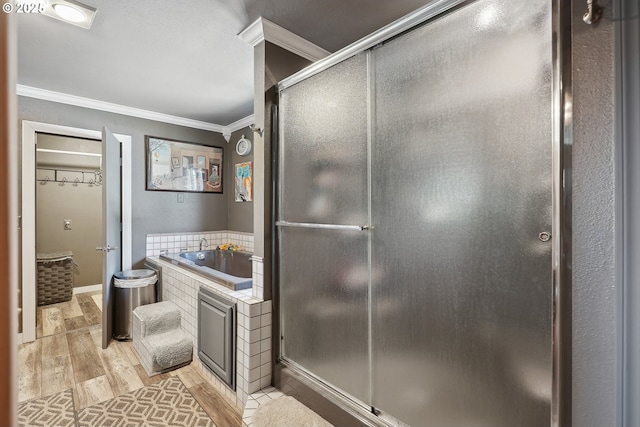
(67, 224)
(180, 197)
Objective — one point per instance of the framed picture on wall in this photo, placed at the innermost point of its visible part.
(243, 182)
(182, 166)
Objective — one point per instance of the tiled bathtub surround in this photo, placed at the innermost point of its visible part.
(178, 242)
(258, 277)
(253, 346)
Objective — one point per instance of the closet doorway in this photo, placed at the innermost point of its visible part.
(68, 214)
(31, 179)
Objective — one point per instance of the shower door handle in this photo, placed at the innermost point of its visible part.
(322, 226)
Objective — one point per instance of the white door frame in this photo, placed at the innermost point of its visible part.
(29, 130)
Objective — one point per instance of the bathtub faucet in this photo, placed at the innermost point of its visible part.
(206, 244)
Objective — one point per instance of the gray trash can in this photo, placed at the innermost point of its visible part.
(132, 289)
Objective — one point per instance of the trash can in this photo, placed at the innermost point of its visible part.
(132, 289)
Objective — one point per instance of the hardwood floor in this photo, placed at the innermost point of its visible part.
(68, 354)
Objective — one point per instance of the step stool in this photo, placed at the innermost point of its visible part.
(158, 339)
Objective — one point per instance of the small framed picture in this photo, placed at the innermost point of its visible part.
(243, 182)
(187, 162)
(215, 178)
(200, 162)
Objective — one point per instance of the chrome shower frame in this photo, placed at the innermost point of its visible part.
(319, 394)
(562, 122)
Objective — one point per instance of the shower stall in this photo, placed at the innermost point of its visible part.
(415, 217)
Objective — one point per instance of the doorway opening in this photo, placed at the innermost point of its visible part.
(68, 225)
(31, 131)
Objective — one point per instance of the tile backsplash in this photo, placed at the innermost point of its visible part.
(180, 242)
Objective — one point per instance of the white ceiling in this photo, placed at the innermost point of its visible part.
(181, 58)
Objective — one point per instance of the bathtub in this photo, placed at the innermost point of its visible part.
(232, 269)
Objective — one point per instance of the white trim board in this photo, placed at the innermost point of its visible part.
(29, 130)
(94, 104)
(78, 101)
(262, 29)
(241, 124)
(90, 288)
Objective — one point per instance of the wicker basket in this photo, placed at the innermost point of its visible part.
(55, 277)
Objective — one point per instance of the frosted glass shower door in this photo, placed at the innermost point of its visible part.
(324, 280)
(461, 190)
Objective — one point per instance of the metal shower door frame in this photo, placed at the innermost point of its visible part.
(562, 125)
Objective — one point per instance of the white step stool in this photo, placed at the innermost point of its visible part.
(157, 338)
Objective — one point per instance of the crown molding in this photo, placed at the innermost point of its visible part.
(262, 29)
(237, 125)
(78, 101)
(241, 124)
(254, 33)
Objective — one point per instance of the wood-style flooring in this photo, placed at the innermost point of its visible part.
(68, 354)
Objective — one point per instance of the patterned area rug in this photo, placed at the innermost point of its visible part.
(55, 410)
(167, 403)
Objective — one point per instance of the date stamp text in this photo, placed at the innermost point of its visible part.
(24, 7)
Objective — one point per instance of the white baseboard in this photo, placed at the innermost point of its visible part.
(86, 289)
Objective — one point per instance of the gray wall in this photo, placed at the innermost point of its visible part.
(280, 64)
(594, 382)
(239, 214)
(152, 211)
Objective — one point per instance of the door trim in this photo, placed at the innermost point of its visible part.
(28, 225)
(628, 208)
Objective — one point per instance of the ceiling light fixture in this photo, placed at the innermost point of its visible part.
(71, 11)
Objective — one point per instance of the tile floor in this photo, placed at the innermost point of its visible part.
(255, 400)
